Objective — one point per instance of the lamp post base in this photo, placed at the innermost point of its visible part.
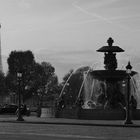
(128, 122)
(20, 119)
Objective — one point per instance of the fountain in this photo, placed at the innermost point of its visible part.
(103, 92)
(106, 85)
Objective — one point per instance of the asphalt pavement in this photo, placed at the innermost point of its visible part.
(34, 131)
(34, 128)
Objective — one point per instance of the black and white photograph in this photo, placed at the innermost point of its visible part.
(69, 69)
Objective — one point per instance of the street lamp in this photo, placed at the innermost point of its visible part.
(128, 117)
(19, 76)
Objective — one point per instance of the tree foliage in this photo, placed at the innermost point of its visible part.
(37, 79)
(23, 62)
(45, 81)
(20, 61)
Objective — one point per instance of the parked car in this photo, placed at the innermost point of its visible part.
(13, 109)
(9, 108)
(24, 110)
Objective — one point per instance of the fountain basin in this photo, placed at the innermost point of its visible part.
(97, 114)
(110, 74)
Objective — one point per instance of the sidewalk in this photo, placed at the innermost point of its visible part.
(62, 121)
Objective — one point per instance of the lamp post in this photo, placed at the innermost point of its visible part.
(128, 116)
(19, 76)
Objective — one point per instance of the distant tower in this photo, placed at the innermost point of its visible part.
(1, 69)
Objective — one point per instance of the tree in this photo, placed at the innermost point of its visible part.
(52, 88)
(37, 79)
(11, 83)
(20, 61)
(23, 62)
(44, 83)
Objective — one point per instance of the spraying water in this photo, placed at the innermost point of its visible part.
(66, 83)
(85, 78)
(94, 89)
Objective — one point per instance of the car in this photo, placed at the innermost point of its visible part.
(24, 110)
(9, 108)
(13, 109)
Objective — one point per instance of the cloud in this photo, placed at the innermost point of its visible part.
(95, 15)
(98, 17)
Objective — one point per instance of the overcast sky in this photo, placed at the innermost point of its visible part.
(69, 25)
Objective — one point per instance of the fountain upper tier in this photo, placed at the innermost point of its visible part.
(110, 51)
(110, 73)
(110, 48)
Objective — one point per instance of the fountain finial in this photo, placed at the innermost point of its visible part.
(128, 67)
(110, 47)
(110, 41)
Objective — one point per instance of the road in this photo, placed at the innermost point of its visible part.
(24, 131)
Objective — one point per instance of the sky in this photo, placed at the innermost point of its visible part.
(67, 33)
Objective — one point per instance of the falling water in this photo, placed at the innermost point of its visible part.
(66, 84)
(68, 81)
(88, 88)
(85, 76)
(135, 88)
(85, 79)
(93, 88)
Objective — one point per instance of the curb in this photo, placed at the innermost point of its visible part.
(71, 123)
